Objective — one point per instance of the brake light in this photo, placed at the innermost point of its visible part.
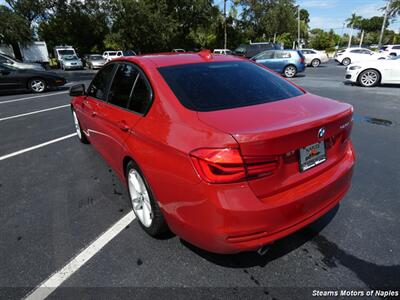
(302, 60)
(227, 165)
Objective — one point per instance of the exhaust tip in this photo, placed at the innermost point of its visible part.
(263, 250)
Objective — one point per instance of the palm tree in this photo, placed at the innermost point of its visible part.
(354, 20)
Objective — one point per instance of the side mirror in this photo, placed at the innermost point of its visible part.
(77, 90)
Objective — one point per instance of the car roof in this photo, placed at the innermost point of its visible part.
(172, 59)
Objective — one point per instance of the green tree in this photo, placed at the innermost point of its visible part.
(13, 28)
(82, 24)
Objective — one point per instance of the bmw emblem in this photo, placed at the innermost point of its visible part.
(321, 132)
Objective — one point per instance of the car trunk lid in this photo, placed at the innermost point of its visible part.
(276, 131)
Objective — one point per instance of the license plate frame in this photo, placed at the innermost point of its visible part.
(311, 156)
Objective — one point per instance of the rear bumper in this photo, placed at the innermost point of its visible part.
(233, 219)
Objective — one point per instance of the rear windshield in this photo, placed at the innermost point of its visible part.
(223, 85)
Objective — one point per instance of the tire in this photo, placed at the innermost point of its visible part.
(37, 85)
(81, 135)
(315, 63)
(369, 78)
(143, 203)
(346, 61)
(290, 71)
(393, 54)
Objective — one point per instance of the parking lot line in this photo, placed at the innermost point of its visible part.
(50, 285)
(33, 97)
(37, 146)
(34, 112)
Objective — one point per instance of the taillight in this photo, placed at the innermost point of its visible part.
(227, 165)
(302, 60)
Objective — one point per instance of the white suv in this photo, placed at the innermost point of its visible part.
(222, 51)
(110, 55)
(392, 50)
(351, 55)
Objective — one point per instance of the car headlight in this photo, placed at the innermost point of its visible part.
(354, 68)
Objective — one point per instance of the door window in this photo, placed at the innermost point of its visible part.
(121, 88)
(98, 87)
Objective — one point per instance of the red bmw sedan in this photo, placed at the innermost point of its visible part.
(223, 152)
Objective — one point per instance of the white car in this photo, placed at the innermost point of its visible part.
(372, 73)
(178, 50)
(110, 55)
(222, 51)
(393, 50)
(352, 55)
(314, 57)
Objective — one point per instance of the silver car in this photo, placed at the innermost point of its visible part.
(10, 61)
(71, 62)
(95, 61)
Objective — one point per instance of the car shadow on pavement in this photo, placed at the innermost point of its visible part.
(277, 250)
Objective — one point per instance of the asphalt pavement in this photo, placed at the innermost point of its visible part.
(58, 198)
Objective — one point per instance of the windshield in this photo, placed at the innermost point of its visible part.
(95, 57)
(128, 53)
(7, 67)
(240, 49)
(70, 57)
(66, 52)
(223, 85)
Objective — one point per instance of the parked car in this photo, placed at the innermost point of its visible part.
(252, 49)
(221, 151)
(71, 62)
(352, 55)
(14, 79)
(10, 61)
(314, 57)
(393, 50)
(222, 51)
(178, 50)
(110, 55)
(372, 73)
(285, 62)
(95, 61)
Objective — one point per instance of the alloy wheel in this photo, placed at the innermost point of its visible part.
(37, 85)
(369, 78)
(140, 198)
(315, 63)
(290, 71)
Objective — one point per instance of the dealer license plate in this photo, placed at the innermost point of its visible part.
(312, 155)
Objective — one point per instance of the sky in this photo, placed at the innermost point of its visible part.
(327, 14)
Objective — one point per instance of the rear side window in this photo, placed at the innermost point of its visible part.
(121, 88)
(224, 85)
(265, 55)
(396, 47)
(98, 87)
(282, 54)
(141, 96)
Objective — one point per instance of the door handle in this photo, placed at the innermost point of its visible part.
(123, 126)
